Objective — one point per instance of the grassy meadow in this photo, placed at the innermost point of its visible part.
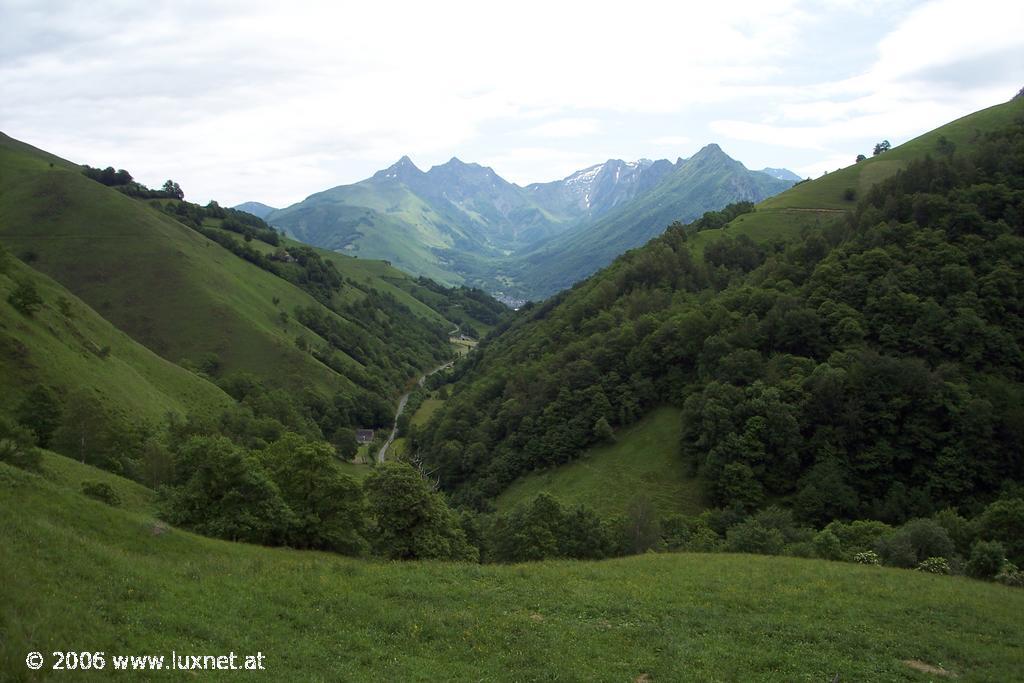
(642, 463)
(81, 575)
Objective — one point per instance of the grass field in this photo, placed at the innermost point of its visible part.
(66, 345)
(358, 472)
(165, 285)
(643, 462)
(79, 575)
(426, 411)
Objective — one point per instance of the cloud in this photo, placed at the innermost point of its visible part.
(565, 128)
(272, 102)
(671, 141)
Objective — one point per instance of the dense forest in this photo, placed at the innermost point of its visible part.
(871, 370)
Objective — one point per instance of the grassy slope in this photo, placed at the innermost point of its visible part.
(809, 204)
(51, 348)
(377, 274)
(376, 219)
(643, 462)
(80, 575)
(168, 287)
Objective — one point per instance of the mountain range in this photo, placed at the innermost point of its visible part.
(462, 223)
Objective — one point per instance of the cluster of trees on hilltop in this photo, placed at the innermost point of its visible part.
(870, 370)
(123, 181)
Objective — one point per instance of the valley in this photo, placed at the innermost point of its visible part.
(653, 421)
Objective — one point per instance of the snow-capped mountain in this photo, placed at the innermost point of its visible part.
(592, 191)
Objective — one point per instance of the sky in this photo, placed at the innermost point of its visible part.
(273, 101)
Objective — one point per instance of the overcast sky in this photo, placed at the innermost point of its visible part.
(274, 101)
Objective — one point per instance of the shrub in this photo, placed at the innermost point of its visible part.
(849, 194)
(934, 565)
(913, 542)
(25, 298)
(1009, 575)
(827, 546)
(896, 550)
(858, 536)
(987, 558)
(17, 446)
(750, 536)
(101, 491)
(867, 557)
(1003, 521)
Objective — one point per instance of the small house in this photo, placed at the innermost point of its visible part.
(364, 435)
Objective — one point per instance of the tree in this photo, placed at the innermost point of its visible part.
(84, 431)
(1003, 521)
(860, 158)
(40, 412)
(410, 520)
(329, 506)
(25, 298)
(223, 492)
(16, 446)
(642, 527)
(603, 431)
(882, 146)
(173, 190)
(345, 444)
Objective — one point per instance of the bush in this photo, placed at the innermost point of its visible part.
(827, 546)
(1009, 575)
(25, 298)
(934, 565)
(987, 558)
(867, 557)
(751, 536)
(913, 542)
(102, 492)
(1003, 521)
(896, 550)
(858, 536)
(17, 446)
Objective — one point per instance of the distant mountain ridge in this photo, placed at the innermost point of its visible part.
(782, 174)
(707, 181)
(257, 209)
(462, 223)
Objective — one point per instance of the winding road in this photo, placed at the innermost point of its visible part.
(401, 406)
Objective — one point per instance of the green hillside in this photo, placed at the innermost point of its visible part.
(86, 576)
(65, 345)
(165, 285)
(187, 299)
(811, 204)
(642, 464)
(376, 219)
(848, 374)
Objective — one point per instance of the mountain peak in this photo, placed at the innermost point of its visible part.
(400, 170)
(711, 154)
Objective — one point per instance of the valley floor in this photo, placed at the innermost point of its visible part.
(79, 575)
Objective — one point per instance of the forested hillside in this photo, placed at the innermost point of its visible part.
(127, 311)
(869, 369)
